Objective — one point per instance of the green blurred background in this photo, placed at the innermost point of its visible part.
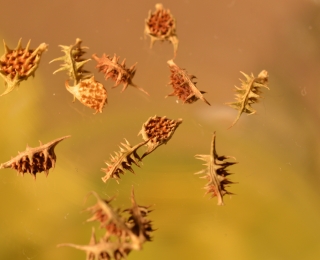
(275, 212)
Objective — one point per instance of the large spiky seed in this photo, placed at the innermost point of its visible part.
(35, 160)
(123, 234)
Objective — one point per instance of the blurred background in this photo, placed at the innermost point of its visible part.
(275, 212)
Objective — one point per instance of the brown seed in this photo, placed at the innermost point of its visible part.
(161, 26)
(183, 85)
(35, 160)
(216, 172)
(89, 92)
(111, 68)
(157, 131)
(18, 59)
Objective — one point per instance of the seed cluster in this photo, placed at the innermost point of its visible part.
(124, 233)
(126, 230)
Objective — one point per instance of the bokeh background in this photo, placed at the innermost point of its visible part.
(275, 212)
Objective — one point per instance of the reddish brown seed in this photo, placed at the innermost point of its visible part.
(161, 26)
(184, 86)
(119, 73)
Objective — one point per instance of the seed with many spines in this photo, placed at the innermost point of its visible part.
(89, 92)
(123, 233)
(216, 172)
(122, 161)
(161, 26)
(157, 131)
(73, 62)
(184, 86)
(18, 64)
(109, 218)
(138, 222)
(35, 160)
(103, 249)
(112, 69)
(249, 93)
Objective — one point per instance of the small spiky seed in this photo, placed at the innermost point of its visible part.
(216, 172)
(112, 69)
(248, 93)
(157, 131)
(122, 161)
(161, 26)
(19, 64)
(184, 86)
(73, 61)
(89, 92)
